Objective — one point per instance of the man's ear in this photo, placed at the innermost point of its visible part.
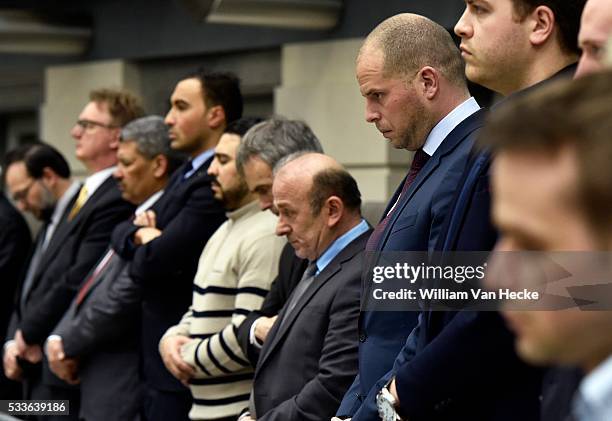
(542, 25)
(49, 177)
(428, 81)
(115, 138)
(215, 116)
(160, 166)
(334, 209)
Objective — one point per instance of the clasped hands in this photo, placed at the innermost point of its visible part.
(18, 348)
(148, 231)
(63, 367)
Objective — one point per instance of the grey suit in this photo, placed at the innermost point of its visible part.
(308, 361)
(106, 339)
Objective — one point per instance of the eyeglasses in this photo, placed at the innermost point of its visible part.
(23, 193)
(89, 124)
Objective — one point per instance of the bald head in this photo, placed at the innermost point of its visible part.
(317, 202)
(408, 42)
(320, 176)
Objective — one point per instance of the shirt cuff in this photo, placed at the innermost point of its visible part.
(8, 343)
(252, 338)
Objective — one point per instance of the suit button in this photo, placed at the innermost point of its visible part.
(362, 337)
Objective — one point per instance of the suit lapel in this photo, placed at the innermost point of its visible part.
(66, 227)
(276, 336)
(450, 143)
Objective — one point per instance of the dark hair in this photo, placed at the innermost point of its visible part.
(36, 157)
(220, 88)
(123, 106)
(567, 18)
(575, 114)
(242, 125)
(334, 182)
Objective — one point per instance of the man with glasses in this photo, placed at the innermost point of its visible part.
(81, 240)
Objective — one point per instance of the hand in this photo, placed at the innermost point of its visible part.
(393, 391)
(31, 353)
(63, 367)
(146, 219)
(246, 418)
(263, 326)
(144, 235)
(170, 350)
(11, 366)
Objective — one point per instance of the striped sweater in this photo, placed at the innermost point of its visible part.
(235, 271)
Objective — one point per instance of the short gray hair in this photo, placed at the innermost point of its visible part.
(273, 139)
(150, 134)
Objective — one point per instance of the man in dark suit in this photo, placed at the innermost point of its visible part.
(319, 212)
(80, 242)
(473, 345)
(411, 74)
(263, 146)
(164, 248)
(15, 243)
(98, 339)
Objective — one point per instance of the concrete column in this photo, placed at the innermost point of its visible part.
(67, 90)
(318, 86)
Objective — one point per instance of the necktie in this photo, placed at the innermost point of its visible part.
(418, 161)
(306, 280)
(81, 199)
(92, 278)
(34, 262)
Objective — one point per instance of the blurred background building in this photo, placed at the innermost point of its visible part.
(295, 58)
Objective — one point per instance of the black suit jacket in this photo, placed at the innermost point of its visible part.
(15, 243)
(290, 270)
(73, 250)
(187, 214)
(306, 365)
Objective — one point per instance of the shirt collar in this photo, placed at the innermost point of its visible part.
(339, 244)
(595, 392)
(448, 124)
(63, 201)
(199, 160)
(96, 179)
(149, 202)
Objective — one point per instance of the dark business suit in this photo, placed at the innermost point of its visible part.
(415, 225)
(74, 248)
(104, 333)
(290, 270)
(309, 360)
(15, 243)
(484, 379)
(187, 215)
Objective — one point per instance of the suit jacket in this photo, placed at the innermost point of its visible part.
(290, 270)
(415, 226)
(73, 250)
(15, 243)
(187, 214)
(484, 378)
(306, 365)
(104, 333)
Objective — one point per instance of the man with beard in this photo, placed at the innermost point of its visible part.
(38, 178)
(234, 274)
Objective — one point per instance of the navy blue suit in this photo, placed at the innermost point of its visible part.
(187, 214)
(415, 225)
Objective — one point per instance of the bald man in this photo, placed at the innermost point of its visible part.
(319, 212)
(595, 30)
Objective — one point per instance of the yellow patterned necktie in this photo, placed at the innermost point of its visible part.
(79, 203)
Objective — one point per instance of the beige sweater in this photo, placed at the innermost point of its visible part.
(235, 271)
